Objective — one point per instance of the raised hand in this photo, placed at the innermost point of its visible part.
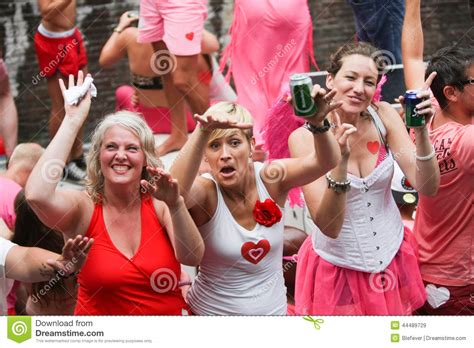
(324, 104)
(162, 186)
(342, 132)
(425, 107)
(126, 20)
(73, 256)
(80, 111)
(210, 122)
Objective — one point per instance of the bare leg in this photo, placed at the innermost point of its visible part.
(179, 134)
(182, 85)
(186, 81)
(8, 122)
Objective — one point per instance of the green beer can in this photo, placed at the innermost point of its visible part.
(300, 87)
(412, 118)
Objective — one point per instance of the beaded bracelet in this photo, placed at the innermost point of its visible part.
(318, 130)
(338, 186)
(427, 157)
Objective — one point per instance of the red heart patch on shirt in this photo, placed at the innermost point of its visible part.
(373, 146)
(190, 36)
(254, 253)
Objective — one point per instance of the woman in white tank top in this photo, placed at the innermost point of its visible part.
(360, 261)
(238, 208)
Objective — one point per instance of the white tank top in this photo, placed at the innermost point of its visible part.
(241, 271)
(372, 231)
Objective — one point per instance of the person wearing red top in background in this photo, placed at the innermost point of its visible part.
(444, 225)
(60, 51)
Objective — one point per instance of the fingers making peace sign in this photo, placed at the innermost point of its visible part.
(342, 132)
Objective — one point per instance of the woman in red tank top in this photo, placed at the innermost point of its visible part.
(132, 209)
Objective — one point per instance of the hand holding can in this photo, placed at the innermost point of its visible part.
(303, 103)
(311, 102)
(418, 105)
(412, 118)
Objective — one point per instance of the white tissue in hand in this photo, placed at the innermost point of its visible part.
(437, 296)
(74, 94)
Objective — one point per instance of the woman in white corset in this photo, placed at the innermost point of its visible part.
(360, 260)
(238, 208)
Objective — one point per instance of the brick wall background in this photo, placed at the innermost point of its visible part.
(445, 21)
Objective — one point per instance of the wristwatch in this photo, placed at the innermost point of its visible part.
(318, 130)
(117, 30)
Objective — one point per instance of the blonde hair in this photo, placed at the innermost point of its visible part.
(131, 122)
(236, 112)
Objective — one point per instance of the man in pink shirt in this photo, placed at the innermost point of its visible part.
(444, 224)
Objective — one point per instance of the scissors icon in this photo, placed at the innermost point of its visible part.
(316, 322)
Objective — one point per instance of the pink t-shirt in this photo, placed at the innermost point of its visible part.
(8, 191)
(444, 224)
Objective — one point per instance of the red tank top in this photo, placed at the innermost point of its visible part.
(147, 284)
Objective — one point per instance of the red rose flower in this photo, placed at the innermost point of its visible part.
(266, 213)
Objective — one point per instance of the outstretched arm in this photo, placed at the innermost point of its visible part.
(322, 153)
(412, 46)
(61, 209)
(182, 231)
(116, 46)
(186, 166)
(417, 161)
(36, 265)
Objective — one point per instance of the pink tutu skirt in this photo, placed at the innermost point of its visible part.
(325, 289)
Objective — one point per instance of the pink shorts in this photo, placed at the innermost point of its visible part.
(179, 23)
